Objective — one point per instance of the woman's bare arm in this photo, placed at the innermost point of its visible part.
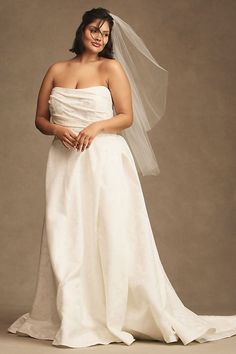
(121, 94)
(42, 116)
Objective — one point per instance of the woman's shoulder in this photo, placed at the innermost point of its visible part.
(107, 64)
(112, 64)
(56, 68)
(59, 65)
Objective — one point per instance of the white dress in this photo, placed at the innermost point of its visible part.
(100, 278)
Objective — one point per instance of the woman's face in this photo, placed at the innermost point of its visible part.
(94, 37)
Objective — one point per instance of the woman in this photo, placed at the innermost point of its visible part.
(91, 68)
(100, 278)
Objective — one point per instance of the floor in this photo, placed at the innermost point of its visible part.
(13, 344)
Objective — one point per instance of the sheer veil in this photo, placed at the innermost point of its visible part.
(149, 83)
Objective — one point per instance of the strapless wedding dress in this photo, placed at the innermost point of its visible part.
(100, 278)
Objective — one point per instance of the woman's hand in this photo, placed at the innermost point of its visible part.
(86, 136)
(66, 135)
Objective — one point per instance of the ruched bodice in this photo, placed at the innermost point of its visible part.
(77, 108)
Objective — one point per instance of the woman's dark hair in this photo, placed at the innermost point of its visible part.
(88, 17)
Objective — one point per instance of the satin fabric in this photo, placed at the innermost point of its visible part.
(100, 277)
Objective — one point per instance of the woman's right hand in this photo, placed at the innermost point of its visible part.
(66, 135)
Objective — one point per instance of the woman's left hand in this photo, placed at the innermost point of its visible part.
(86, 136)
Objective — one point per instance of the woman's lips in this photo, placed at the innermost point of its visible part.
(96, 44)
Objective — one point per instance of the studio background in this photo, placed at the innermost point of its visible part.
(191, 203)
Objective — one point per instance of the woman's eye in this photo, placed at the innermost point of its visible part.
(95, 30)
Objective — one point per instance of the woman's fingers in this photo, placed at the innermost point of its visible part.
(73, 134)
(80, 141)
(89, 143)
(77, 140)
(66, 145)
(84, 145)
(68, 141)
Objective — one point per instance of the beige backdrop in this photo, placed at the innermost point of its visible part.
(191, 203)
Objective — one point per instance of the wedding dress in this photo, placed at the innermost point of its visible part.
(100, 278)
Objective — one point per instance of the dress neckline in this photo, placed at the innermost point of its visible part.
(79, 89)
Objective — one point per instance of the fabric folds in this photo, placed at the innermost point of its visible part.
(100, 277)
